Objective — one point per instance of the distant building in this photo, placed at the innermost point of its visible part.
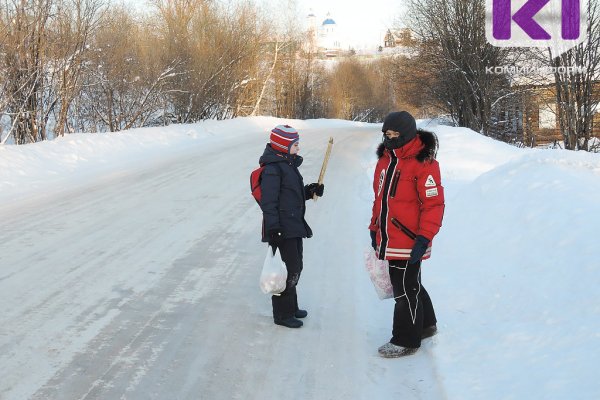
(391, 39)
(324, 37)
(398, 38)
(533, 117)
(399, 42)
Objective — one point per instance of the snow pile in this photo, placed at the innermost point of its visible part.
(515, 273)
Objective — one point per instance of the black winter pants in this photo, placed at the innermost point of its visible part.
(413, 310)
(286, 303)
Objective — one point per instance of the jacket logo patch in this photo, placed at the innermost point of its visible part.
(431, 192)
(381, 179)
(430, 182)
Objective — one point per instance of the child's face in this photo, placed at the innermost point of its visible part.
(295, 149)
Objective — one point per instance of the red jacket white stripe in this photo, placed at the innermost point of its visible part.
(409, 197)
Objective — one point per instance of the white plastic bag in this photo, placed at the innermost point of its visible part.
(274, 273)
(379, 273)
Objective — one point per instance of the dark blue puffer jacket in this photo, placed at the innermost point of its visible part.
(283, 195)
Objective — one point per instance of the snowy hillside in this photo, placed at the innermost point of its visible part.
(129, 269)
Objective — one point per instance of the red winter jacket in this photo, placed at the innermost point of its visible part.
(409, 197)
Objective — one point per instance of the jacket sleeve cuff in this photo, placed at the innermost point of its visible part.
(427, 235)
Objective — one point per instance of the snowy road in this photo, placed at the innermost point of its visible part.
(144, 285)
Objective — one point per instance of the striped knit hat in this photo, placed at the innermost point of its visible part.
(283, 137)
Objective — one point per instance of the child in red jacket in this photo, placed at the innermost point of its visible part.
(407, 214)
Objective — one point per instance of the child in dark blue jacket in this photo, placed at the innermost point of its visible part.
(284, 226)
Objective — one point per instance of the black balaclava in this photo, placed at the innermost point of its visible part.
(401, 122)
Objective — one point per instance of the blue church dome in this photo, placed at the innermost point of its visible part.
(329, 21)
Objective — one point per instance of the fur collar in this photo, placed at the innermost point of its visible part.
(427, 153)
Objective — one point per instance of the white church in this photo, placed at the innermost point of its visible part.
(323, 37)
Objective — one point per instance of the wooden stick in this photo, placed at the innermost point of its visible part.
(324, 166)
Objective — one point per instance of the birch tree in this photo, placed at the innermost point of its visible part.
(76, 22)
(216, 47)
(25, 61)
(125, 77)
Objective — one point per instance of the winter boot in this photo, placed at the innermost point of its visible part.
(301, 314)
(290, 322)
(390, 350)
(429, 332)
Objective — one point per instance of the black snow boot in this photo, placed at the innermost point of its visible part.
(290, 322)
(301, 314)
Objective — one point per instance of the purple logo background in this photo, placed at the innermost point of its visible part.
(536, 23)
(524, 18)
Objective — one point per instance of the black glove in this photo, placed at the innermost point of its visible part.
(373, 239)
(312, 189)
(275, 238)
(419, 249)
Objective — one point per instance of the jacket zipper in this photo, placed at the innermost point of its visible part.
(403, 228)
(384, 205)
(395, 184)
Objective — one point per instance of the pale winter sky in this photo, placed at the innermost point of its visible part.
(360, 24)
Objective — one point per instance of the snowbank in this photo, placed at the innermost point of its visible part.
(515, 272)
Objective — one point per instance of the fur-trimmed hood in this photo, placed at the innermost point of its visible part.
(424, 147)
